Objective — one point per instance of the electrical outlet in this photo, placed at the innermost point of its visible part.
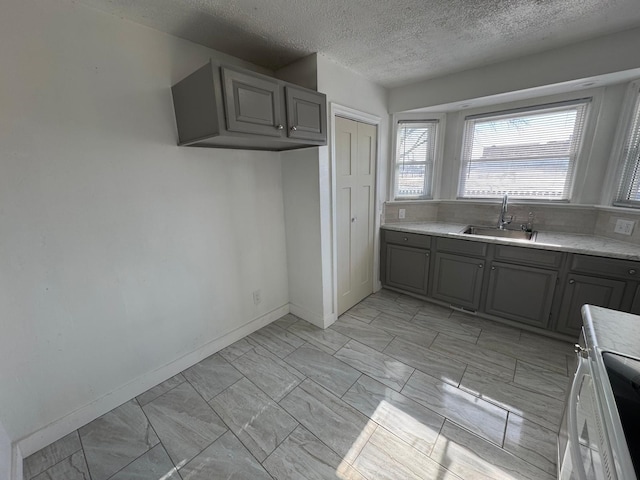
(257, 297)
(401, 213)
(624, 227)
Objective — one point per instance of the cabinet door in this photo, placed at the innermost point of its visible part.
(407, 268)
(581, 289)
(252, 103)
(306, 114)
(635, 306)
(458, 280)
(520, 293)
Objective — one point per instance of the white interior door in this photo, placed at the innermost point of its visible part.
(355, 146)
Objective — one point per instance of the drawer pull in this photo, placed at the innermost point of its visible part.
(294, 128)
(493, 268)
(279, 127)
(572, 281)
(480, 265)
(405, 239)
(426, 255)
(632, 271)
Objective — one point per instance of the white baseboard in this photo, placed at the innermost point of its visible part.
(317, 319)
(80, 417)
(307, 315)
(329, 320)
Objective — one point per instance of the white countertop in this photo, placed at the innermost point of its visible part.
(565, 242)
(612, 331)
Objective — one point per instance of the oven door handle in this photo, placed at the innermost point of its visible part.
(572, 407)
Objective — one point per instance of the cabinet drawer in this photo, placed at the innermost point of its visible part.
(409, 239)
(464, 247)
(528, 256)
(624, 269)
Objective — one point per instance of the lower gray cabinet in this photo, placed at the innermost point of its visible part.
(407, 268)
(635, 305)
(458, 280)
(581, 289)
(521, 293)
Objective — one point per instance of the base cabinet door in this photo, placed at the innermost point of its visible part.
(635, 306)
(521, 293)
(458, 280)
(407, 268)
(582, 289)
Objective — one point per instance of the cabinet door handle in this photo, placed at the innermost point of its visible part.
(493, 268)
(572, 281)
(294, 128)
(426, 254)
(354, 219)
(480, 265)
(279, 127)
(632, 272)
(405, 239)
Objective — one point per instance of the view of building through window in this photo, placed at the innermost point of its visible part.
(530, 155)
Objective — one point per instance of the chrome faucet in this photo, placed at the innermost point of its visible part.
(502, 219)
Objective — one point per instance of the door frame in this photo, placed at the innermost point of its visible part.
(338, 110)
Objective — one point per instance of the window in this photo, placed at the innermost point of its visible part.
(629, 188)
(415, 153)
(527, 153)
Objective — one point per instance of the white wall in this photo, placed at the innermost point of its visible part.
(120, 252)
(307, 179)
(346, 88)
(302, 213)
(602, 55)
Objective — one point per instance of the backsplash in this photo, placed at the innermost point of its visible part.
(587, 220)
(606, 222)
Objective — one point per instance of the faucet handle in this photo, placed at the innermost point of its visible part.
(528, 227)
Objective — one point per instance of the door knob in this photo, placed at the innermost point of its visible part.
(279, 127)
(294, 128)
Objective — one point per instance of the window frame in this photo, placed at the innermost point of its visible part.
(587, 100)
(434, 181)
(624, 132)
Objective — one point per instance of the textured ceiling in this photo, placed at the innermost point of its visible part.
(390, 42)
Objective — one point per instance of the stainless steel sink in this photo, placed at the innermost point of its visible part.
(496, 232)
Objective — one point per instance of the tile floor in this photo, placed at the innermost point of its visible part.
(396, 389)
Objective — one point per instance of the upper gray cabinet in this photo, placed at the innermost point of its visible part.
(230, 107)
(306, 114)
(252, 103)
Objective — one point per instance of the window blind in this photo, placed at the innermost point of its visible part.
(629, 188)
(527, 153)
(415, 152)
